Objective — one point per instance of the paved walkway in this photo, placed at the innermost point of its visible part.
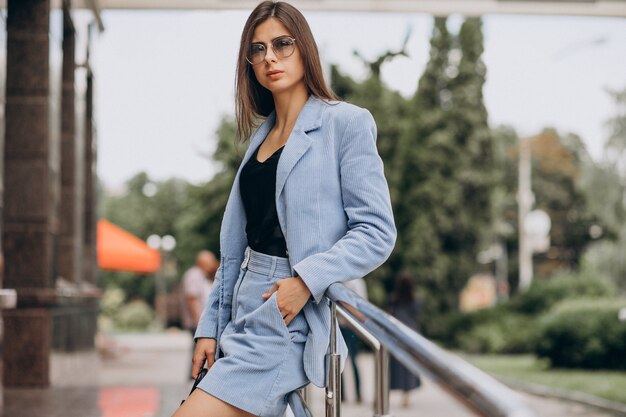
(147, 377)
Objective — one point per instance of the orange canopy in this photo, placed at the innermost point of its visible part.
(118, 250)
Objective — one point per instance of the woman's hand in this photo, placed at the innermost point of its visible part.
(204, 350)
(291, 298)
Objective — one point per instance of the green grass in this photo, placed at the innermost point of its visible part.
(610, 385)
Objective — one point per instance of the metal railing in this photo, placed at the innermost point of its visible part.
(475, 389)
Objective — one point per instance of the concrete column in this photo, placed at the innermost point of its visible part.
(31, 167)
(90, 265)
(72, 171)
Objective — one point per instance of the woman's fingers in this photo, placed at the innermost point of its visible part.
(288, 319)
(271, 291)
(204, 351)
(197, 362)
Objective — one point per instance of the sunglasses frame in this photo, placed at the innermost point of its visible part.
(271, 45)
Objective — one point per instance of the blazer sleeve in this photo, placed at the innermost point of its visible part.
(371, 231)
(207, 326)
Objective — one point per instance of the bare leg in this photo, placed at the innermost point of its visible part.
(202, 404)
(405, 399)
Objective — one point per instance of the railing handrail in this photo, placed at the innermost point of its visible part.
(474, 388)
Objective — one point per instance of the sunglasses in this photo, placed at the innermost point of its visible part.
(283, 47)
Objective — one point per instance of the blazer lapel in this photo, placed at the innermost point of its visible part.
(310, 118)
(296, 146)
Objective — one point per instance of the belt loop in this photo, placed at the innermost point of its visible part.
(246, 259)
(273, 267)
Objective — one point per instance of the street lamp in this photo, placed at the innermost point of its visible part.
(534, 226)
(165, 245)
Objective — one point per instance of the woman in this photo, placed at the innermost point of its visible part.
(309, 207)
(405, 307)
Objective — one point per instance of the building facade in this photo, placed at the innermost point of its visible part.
(47, 186)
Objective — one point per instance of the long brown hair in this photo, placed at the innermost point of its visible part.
(252, 99)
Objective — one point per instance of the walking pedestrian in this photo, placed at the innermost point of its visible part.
(404, 306)
(196, 286)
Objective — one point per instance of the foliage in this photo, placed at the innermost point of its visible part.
(544, 294)
(560, 189)
(115, 314)
(607, 257)
(489, 330)
(495, 335)
(439, 162)
(584, 333)
(198, 224)
(606, 188)
(135, 315)
(145, 213)
(111, 301)
(616, 144)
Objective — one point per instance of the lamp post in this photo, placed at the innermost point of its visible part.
(534, 226)
(165, 245)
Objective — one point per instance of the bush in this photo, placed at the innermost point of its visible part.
(136, 315)
(500, 331)
(111, 301)
(511, 327)
(584, 333)
(545, 293)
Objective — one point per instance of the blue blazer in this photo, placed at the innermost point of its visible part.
(334, 209)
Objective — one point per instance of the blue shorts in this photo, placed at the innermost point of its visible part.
(262, 358)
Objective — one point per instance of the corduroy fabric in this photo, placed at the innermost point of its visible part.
(262, 358)
(333, 206)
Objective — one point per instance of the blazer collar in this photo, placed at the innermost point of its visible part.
(309, 119)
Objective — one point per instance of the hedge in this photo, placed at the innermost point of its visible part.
(584, 333)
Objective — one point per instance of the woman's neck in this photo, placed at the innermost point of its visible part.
(288, 105)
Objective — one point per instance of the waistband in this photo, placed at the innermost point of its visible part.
(266, 264)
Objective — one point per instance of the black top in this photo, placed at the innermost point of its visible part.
(257, 185)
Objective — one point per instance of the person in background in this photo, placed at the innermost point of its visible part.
(196, 286)
(352, 340)
(405, 307)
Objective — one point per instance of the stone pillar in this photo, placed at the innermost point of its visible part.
(90, 262)
(72, 172)
(31, 166)
(2, 91)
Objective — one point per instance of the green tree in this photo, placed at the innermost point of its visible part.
(606, 190)
(145, 207)
(201, 216)
(439, 162)
(457, 166)
(560, 189)
(616, 143)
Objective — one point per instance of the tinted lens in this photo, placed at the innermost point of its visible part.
(256, 53)
(283, 47)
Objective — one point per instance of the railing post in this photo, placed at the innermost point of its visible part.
(333, 385)
(382, 383)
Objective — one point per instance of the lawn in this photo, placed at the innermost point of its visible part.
(610, 385)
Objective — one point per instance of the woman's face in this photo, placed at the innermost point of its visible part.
(277, 74)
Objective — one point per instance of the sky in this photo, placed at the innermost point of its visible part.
(165, 79)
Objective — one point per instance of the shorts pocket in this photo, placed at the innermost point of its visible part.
(281, 321)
